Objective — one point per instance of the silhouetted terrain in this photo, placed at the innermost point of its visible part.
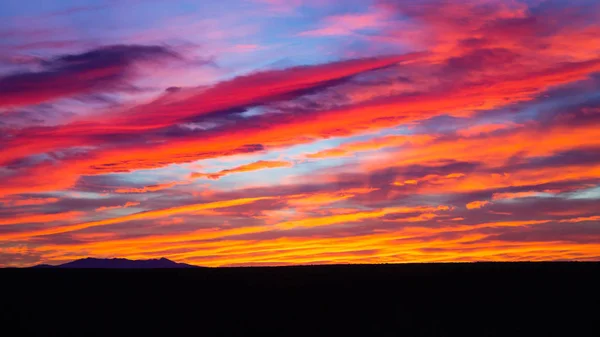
(479, 299)
(118, 263)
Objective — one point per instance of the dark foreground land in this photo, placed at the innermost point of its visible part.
(491, 299)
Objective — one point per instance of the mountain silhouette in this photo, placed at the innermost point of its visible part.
(119, 263)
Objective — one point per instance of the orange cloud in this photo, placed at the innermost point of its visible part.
(320, 199)
(431, 179)
(372, 145)
(535, 176)
(37, 218)
(484, 129)
(350, 217)
(477, 204)
(259, 165)
(582, 219)
(495, 149)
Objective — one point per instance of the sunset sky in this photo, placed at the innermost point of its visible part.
(276, 132)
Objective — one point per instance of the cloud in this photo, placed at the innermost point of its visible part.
(126, 205)
(19, 202)
(347, 24)
(259, 165)
(98, 70)
(582, 219)
(129, 127)
(537, 149)
(153, 214)
(514, 195)
(423, 241)
(149, 188)
(373, 144)
(372, 115)
(253, 89)
(37, 218)
(477, 204)
(314, 200)
(434, 179)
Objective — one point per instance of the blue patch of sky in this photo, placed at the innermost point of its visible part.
(555, 100)
(294, 154)
(175, 172)
(282, 33)
(446, 123)
(81, 195)
(105, 23)
(590, 193)
(297, 151)
(9, 8)
(252, 112)
(275, 176)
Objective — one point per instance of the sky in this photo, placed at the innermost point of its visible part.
(272, 132)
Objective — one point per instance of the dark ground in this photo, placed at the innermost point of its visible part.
(499, 299)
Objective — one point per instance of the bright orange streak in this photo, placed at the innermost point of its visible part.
(408, 241)
(477, 204)
(36, 218)
(582, 219)
(332, 219)
(431, 179)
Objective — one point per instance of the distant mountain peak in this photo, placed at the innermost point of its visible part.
(119, 263)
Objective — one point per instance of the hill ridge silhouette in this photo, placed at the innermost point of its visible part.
(119, 263)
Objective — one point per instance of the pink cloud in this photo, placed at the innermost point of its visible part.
(348, 24)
